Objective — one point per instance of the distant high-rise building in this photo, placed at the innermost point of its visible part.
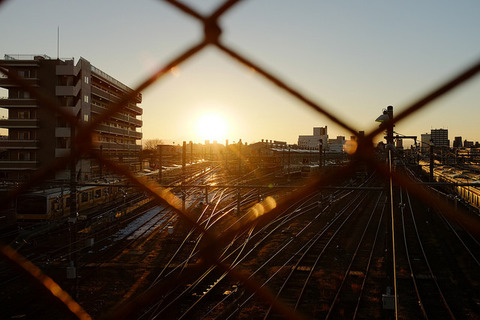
(320, 136)
(440, 137)
(425, 142)
(457, 143)
(320, 131)
(37, 135)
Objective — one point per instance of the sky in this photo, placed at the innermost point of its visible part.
(352, 57)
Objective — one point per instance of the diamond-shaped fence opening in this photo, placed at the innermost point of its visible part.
(363, 155)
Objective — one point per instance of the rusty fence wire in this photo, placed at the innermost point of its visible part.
(82, 146)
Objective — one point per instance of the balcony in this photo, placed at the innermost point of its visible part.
(115, 98)
(9, 83)
(19, 144)
(100, 74)
(104, 94)
(19, 123)
(18, 103)
(68, 90)
(109, 130)
(136, 135)
(113, 146)
(65, 70)
(137, 110)
(18, 165)
(119, 131)
(99, 110)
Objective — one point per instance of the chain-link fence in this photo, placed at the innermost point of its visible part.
(363, 154)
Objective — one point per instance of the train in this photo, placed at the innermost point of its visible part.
(308, 170)
(54, 203)
(470, 193)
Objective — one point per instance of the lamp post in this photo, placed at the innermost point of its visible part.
(320, 146)
(387, 117)
(432, 160)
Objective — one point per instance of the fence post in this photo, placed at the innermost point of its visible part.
(431, 161)
(184, 156)
(160, 164)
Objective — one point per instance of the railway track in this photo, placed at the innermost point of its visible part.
(352, 290)
(429, 294)
(260, 237)
(327, 256)
(349, 288)
(223, 204)
(296, 285)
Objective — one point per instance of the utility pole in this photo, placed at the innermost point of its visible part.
(71, 269)
(390, 125)
(184, 156)
(320, 147)
(160, 163)
(288, 165)
(226, 154)
(240, 157)
(238, 200)
(191, 152)
(101, 164)
(431, 161)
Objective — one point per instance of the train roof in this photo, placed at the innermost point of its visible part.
(58, 191)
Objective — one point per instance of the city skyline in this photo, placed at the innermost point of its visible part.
(353, 59)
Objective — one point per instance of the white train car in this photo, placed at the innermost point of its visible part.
(469, 193)
(54, 203)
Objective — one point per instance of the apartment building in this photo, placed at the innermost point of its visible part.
(440, 137)
(36, 136)
(319, 137)
(425, 142)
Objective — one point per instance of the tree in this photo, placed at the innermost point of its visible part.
(151, 144)
(149, 151)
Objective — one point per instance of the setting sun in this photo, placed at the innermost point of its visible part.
(211, 127)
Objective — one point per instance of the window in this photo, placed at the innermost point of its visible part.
(24, 156)
(85, 98)
(84, 196)
(85, 117)
(24, 115)
(86, 79)
(24, 135)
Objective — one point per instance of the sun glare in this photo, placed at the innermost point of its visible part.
(211, 127)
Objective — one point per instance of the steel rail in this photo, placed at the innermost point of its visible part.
(308, 249)
(354, 257)
(362, 289)
(430, 271)
(243, 245)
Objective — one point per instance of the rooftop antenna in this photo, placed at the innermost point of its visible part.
(58, 42)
